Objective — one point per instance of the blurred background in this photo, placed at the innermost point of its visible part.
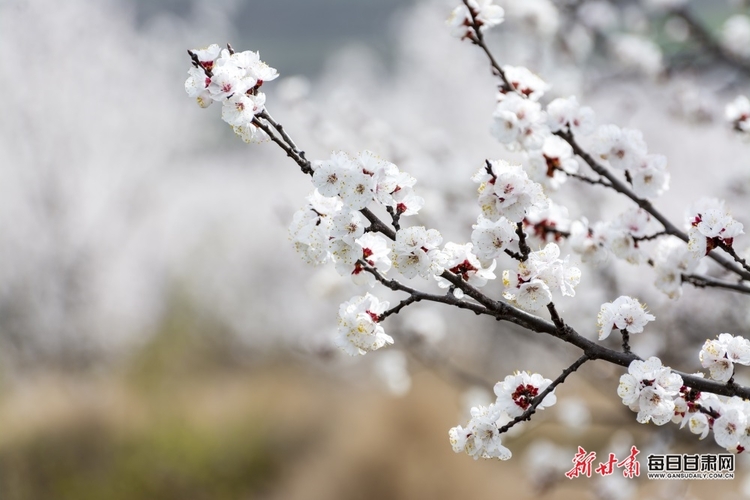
(160, 338)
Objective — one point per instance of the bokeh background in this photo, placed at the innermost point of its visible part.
(159, 338)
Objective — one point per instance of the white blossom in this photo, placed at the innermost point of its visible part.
(416, 251)
(720, 355)
(671, 260)
(196, 87)
(531, 286)
(650, 177)
(376, 253)
(506, 190)
(359, 330)
(310, 230)
(550, 165)
(486, 13)
(525, 82)
(563, 113)
(590, 242)
(710, 223)
(519, 123)
(348, 226)
(731, 426)
(461, 261)
(251, 133)
(550, 224)
(650, 389)
(490, 238)
(625, 313)
(516, 392)
(481, 436)
(623, 148)
(240, 109)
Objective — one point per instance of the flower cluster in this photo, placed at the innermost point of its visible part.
(358, 181)
(659, 395)
(324, 231)
(567, 113)
(626, 150)
(515, 394)
(524, 82)
(234, 79)
(619, 236)
(625, 313)
(312, 226)
(531, 286)
(650, 389)
(720, 355)
(520, 123)
(481, 436)
(359, 329)
(461, 261)
(710, 225)
(731, 429)
(490, 238)
(672, 260)
(485, 14)
(551, 224)
(550, 165)
(729, 418)
(505, 190)
(688, 412)
(331, 227)
(417, 252)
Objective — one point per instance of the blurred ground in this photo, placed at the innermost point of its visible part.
(186, 418)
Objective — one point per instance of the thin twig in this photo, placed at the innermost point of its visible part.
(708, 282)
(556, 319)
(625, 340)
(522, 245)
(395, 310)
(650, 236)
(526, 415)
(730, 250)
(589, 180)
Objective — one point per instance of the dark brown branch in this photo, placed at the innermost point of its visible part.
(646, 205)
(395, 218)
(625, 340)
(522, 245)
(617, 184)
(708, 282)
(708, 411)
(588, 180)
(503, 311)
(730, 250)
(650, 236)
(395, 310)
(556, 319)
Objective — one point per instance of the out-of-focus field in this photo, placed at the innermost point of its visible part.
(190, 418)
